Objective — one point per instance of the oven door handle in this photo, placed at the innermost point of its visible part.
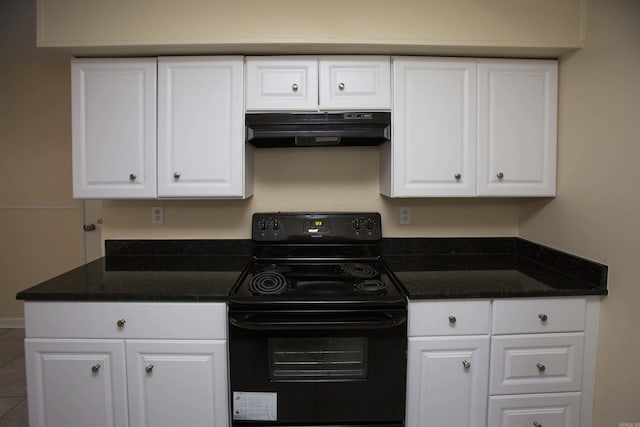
(317, 320)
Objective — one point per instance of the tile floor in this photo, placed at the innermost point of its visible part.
(13, 388)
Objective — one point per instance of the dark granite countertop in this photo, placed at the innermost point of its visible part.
(144, 270)
(490, 268)
(428, 268)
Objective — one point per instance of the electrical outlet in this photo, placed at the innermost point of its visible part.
(405, 216)
(157, 215)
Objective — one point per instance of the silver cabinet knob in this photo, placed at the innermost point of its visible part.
(341, 86)
(121, 323)
(294, 87)
(543, 317)
(452, 319)
(458, 176)
(541, 367)
(95, 368)
(466, 364)
(536, 424)
(132, 177)
(148, 368)
(176, 175)
(500, 175)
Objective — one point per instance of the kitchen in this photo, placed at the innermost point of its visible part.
(592, 216)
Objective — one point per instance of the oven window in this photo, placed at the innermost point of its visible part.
(318, 358)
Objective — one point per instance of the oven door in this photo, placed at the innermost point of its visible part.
(318, 367)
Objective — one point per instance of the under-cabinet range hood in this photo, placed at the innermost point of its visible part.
(317, 129)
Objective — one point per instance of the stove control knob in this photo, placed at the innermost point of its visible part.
(355, 224)
(369, 224)
(276, 225)
(263, 224)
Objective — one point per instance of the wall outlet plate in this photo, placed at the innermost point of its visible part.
(157, 215)
(405, 216)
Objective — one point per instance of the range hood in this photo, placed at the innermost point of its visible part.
(317, 129)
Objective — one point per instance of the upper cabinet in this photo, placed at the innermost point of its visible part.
(114, 128)
(199, 150)
(433, 147)
(309, 83)
(471, 127)
(200, 127)
(517, 110)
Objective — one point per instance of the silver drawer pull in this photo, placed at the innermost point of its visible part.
(466, 364)
(95, 368)
(148, 368)
(536, 424)
(341, 86)
(294, 87)
(543, 317)
(452, 319)
(121, 323)
(132, 177)
(541, 367)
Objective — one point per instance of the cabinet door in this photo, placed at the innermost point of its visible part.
(517, 116)
(177, 383)
(535, 410)
(282, 83)
(434, 132)
(200, 127)
(114, 128)
(356, 82)
(447, 381)
(76, 382)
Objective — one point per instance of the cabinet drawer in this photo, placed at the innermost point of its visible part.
(449, 317)
(536, 364)
(362, 82)
(141, 320)
(558, 410)
(538, 315)
(282, 83)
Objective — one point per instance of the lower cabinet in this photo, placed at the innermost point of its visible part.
(447, 385)
(177, 383)
(521, 362)
(76, 382)
(128, 378)
(535, 410)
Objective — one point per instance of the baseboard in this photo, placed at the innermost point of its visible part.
(11, 322)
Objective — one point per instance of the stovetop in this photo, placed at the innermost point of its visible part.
(317, 259)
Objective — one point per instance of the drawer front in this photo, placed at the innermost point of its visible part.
(355, 83)
(449, 317)
(274, 83)
(557, 410)
(536, 364)
(125, 320)
(539, 315)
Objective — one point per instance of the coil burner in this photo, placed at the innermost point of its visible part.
(361, 271)
(371, 287)
(268, 283)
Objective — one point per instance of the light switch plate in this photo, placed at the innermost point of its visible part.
(157, 215)
(405, 216)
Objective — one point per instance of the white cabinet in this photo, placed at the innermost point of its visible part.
(471, 127)
(447, 376)
(447, 381)
(79, 382)
(517, 121)
(537, 362)
(535, 410)
(120, 364)
(433, 147)
(310, 83)
(201, 150)
(114, 127)
(174, 383)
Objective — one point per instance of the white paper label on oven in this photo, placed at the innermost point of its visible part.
(255, 406)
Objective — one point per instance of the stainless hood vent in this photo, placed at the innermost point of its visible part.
(317, 129)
